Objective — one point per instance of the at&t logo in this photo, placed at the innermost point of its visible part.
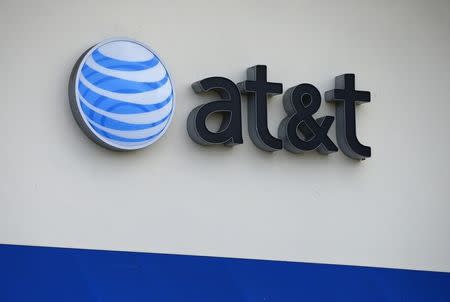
(121, 94)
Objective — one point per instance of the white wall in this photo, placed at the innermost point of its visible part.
(57, 188)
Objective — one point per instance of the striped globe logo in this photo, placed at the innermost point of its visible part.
(121, 94)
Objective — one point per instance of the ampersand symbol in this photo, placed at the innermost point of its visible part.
(299, 130)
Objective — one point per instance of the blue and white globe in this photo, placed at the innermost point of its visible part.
(124, 95)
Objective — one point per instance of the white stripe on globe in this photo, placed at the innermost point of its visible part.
(143, 98)
(154, 74)
(132, 134)
(126, 50)
(136, 118)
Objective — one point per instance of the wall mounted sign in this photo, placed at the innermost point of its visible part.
(122, 97)
(298, 132)
(121, 94)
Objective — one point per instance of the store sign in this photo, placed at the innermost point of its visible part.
(122, 97)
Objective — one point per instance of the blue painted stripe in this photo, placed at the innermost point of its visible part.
(117, 125)
(114, 84)
(74, 275)
(117, 106)
(115, 64)
(124, 139)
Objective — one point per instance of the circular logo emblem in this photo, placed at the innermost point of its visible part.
(121, 94)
